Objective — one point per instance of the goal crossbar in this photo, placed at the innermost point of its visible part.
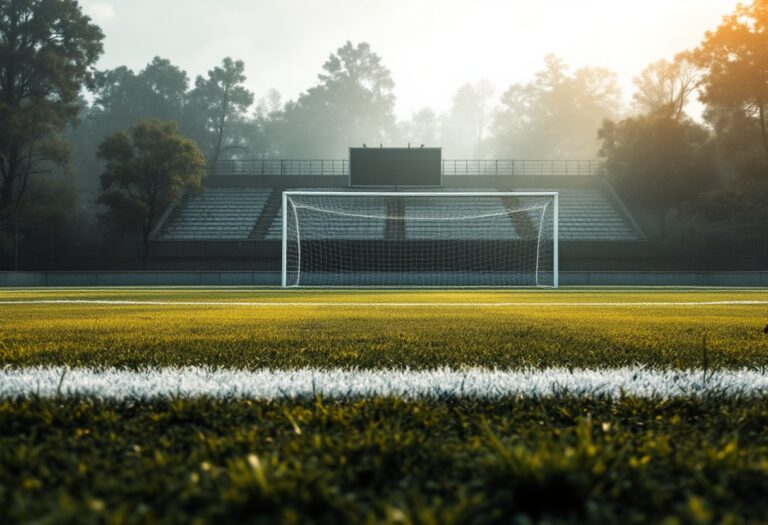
(289, 222)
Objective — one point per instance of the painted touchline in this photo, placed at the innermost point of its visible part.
(479, 383)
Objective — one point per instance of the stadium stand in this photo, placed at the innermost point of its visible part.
(216, 214)
(236, 222)
(592, 215)
(588, 214)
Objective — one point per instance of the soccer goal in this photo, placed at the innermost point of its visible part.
(420, 239)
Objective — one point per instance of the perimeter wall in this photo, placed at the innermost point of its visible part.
(270, 278)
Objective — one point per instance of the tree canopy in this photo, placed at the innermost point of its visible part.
(47, 52)
(122, 97)
(218, 103)
(352, 104)
(557, 114)
(148, 167)
(666, 87)
(735, 63)
(663, 159)
(465, 126)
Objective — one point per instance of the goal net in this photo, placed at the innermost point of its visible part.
(419, 239)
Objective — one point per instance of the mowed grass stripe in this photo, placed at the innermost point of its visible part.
(388, 296)
(477, 383)
(275, 336)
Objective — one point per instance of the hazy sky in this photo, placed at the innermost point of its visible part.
(431, 46)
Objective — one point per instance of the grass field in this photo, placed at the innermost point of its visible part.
(558, 457)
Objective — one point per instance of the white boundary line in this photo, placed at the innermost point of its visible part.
(480, 383)
(315, 304)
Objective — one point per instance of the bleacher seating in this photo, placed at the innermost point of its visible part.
(364, 228)
(486, 219)
(216, 214)
(586, 214)
(590, 215)
(275, 231)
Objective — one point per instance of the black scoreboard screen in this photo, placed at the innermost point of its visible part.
(417, 167)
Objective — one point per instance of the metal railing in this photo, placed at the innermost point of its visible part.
(279, 167)
(340, 167)
(509, 167)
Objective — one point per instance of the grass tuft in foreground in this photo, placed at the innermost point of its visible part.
(384, 461)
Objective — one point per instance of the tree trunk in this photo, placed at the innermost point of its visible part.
(762, 126)
(217, 150)
(221, 126)
(146, 232)
(6, 196)
(9, 182)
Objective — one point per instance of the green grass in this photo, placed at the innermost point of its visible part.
(383, 336)
(384, 461)
(367, 461)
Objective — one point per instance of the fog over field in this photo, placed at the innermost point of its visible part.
(432, 47)
(417, 262)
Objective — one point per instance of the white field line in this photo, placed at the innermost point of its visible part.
(384, 303)
(119, 384)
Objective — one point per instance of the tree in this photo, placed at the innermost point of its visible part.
(422, 128)
(47, 51)
(352, 104)
(659, 160)
(735, 63)
(147, 169)
(258, 133)
(465, 125)
(121, 99)
(557, 115)
(217, 103)
(666, 86)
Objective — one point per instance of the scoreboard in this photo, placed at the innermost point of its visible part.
(401, 167)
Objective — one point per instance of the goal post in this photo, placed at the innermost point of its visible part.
(420, 239)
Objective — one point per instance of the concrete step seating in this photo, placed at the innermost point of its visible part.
(216, 214)
(586, 214)
(324, 226)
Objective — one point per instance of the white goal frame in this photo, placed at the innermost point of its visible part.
(553, 194)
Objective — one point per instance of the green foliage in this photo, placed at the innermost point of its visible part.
(736, 203)
(422, 128)
(465, 127)
(666, 87)
(123, 97)
(147, 168)
(735, 90)
(660, 159)
(47, 50)
(556, 115)
(290, 337)
(216, 104)
(735, 82)
(558, 460)
(352, 104)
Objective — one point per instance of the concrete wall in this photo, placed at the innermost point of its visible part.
(150, 278)
(636, 278)
(144, 278)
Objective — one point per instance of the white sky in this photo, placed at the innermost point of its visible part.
(431, 46)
